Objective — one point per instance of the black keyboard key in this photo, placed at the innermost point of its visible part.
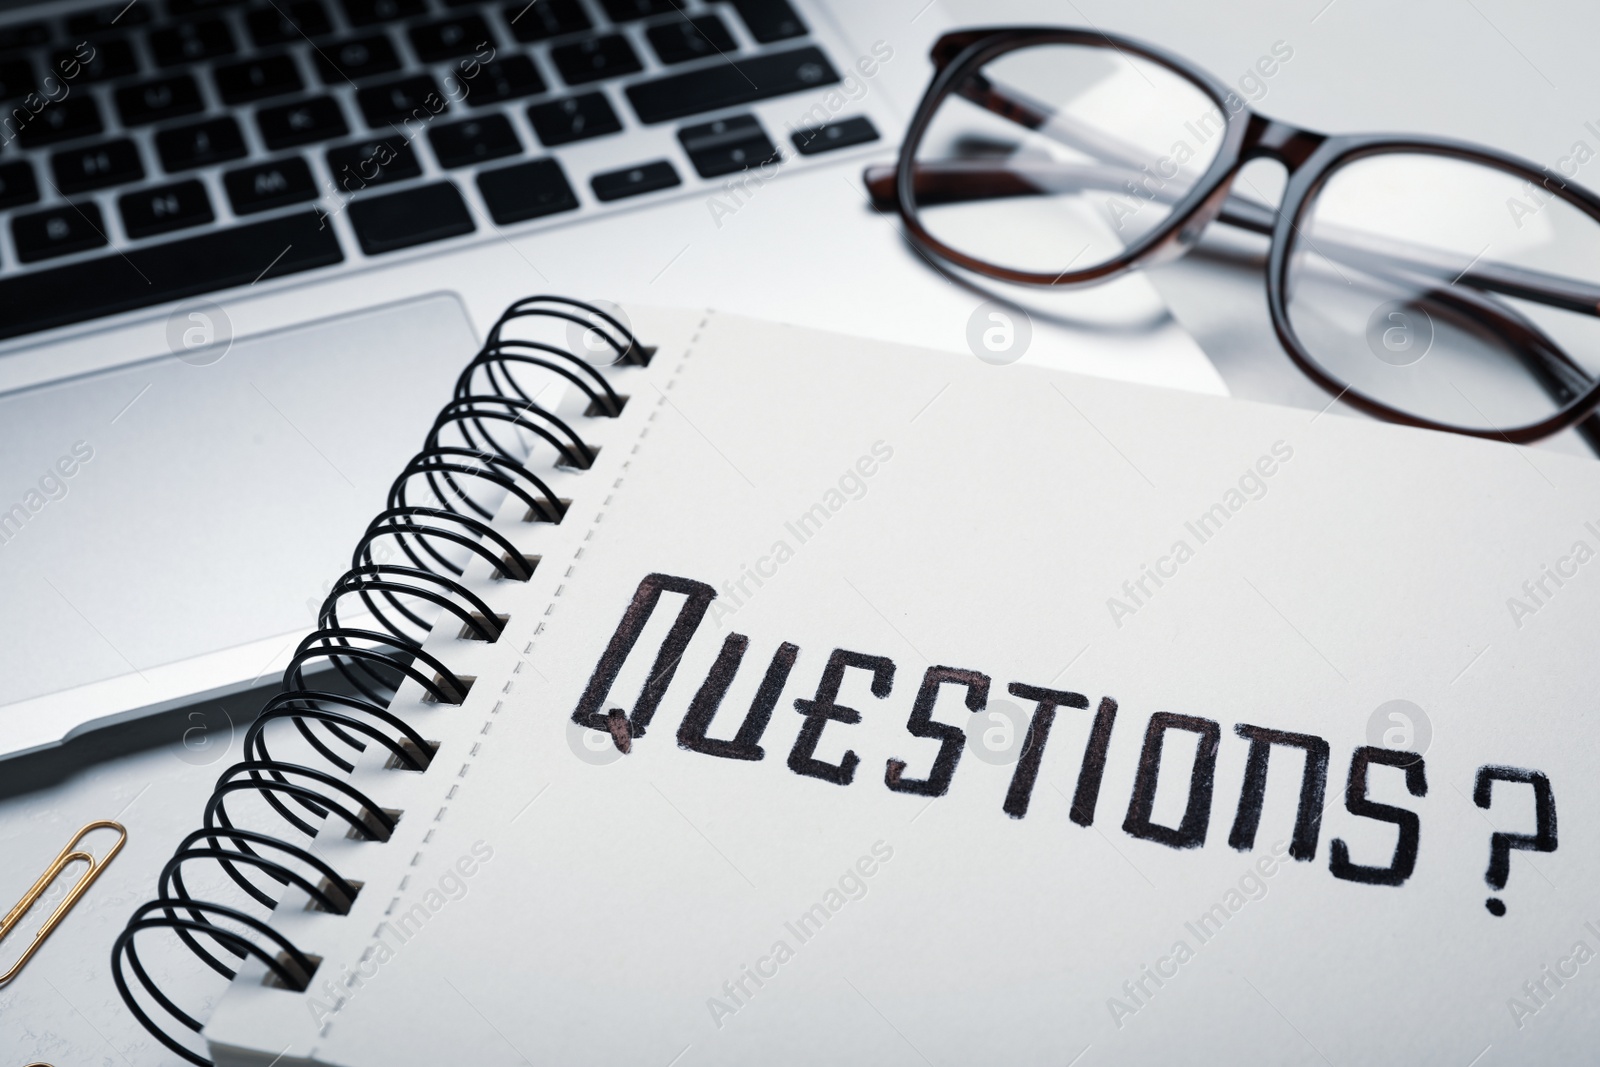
(356, 58)
(770, 20)
(505, 79)
(24, 35)
(414, 217)
(540, 20)
(260, 78)
(377, 162)
(78, 170)
(681, 40)
(145, 277)
(461, 144)
(594, 58)
(627, 10)
(814, 140)
(164, 209)
(76, 116)
(96, 61)
(317, 119)
(416, 97)
(288, 23)
(449, 38)
(744, 81)
(200, 145)
(117, 16)
(727, 145)
(17, 184)
(190, 42)
(269, 185)
(576, 118)
(370, 12)
(16, 79)
(526, 191)
(158, 100)
(634, 181)
(59, 231)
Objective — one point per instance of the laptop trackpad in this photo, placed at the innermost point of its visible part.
(161, 511)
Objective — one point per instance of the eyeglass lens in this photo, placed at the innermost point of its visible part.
(1428, 283)
(1117, 141)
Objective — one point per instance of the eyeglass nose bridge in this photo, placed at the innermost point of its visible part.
(1266, 138)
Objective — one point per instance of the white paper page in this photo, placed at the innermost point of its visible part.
(547, 899)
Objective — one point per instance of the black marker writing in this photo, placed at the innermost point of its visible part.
(1356, 802)
(824, 709)
(1094, 753)
(1191, 830)
(633, 622)
(1543, 839)
(746, 744)
(1313, 784)
(592, 711)
(951, 738)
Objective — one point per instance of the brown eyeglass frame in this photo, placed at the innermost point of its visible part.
(1309, 157)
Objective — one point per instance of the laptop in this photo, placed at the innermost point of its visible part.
(247, 245)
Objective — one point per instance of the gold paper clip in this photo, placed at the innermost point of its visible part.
(68, 856)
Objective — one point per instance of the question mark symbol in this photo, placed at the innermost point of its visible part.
(1500, 845)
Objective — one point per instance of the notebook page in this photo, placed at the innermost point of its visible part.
(1173, 582)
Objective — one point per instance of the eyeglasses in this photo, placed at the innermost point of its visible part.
(1425, 281)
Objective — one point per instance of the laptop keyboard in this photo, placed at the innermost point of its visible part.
(160, 149)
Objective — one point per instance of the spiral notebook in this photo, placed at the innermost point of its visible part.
(801, 699)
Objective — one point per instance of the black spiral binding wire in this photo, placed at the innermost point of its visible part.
(472, 457)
